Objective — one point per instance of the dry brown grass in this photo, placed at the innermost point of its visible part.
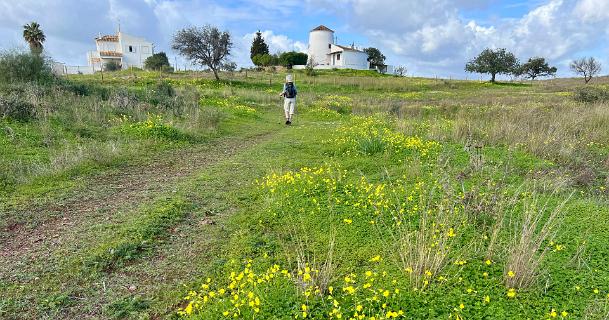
(424, 250)
(531, 229)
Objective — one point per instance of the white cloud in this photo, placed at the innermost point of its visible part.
(592, 10)
(434, 35)
(277, 43)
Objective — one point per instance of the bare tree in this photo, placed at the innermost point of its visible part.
(206, 46)
(400, 71)
(587, 67)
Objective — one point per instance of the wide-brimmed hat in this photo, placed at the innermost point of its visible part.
(289, 78)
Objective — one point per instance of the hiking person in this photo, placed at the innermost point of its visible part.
(289, 103)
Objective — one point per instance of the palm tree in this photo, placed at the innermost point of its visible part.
(34, 36)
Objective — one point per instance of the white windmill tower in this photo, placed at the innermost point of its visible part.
(321, 40)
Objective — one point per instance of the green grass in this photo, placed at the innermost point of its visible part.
(413, 207)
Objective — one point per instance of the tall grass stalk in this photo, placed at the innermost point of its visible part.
(424, 245)
(532, 229)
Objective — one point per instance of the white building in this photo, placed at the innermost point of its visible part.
(128, 51)
(325, 54)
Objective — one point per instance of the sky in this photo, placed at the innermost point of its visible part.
(430, 38)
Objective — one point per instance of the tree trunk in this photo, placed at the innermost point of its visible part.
(215, 73)
(493, 77)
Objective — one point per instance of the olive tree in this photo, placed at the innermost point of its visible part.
(207, 46)
(587, 67)
(493, 62)
(375, 57)
(534, 68)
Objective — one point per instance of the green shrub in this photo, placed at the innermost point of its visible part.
(86, 89)
(112, 66)
(310, 71)
(123, 101)
(13, 106)
(167, 69)
(371, 145)
(17, 66)
(79, 89)
(591, 94)
(292, 58)
(127, 307)
(164, 88)
(157, 61)
(154, 128)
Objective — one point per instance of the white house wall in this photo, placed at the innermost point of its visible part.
(354, 60)
(350, 60)
(135, 50)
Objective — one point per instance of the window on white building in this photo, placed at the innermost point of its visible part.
(131, 49)
(145, 49)
(338, 56)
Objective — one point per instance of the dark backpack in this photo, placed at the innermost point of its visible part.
(290, 90)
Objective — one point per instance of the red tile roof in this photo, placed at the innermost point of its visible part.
(111, 38)
(322, 28)
(110, 54)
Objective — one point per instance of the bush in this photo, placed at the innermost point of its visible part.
(164, 88)
(591, 94)
(112, 66)
(265, 60)
(123, 101)
(79, 89)
(164, 95)
(157, 61)
(289, 59)
(13, 106)
(24, 67)
(86, 89)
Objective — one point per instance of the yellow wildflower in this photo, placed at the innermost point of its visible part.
(511, 293)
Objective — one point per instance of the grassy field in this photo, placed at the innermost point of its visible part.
(147, 196)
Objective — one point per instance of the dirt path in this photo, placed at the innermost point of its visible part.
(24, 248)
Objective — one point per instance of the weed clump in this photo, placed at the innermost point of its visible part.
(590, 94)
(153, 127)
(13, 106)
(127, 307)
(340, 104)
